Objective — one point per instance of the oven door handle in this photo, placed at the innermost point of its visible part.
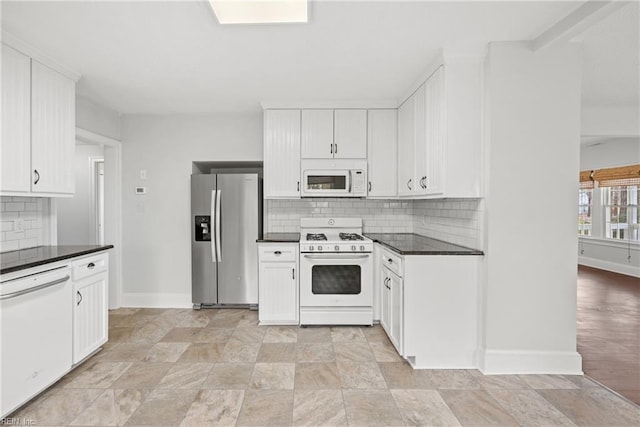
(337, 258)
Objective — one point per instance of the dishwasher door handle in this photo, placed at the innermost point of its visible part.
(34, 289)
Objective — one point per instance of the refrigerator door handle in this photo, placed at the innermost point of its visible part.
(217, 225)
(214, 257)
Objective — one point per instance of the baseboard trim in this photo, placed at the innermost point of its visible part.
(615, 267)
(153, 300)
(493, 362)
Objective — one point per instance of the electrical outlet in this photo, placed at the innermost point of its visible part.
(424, 220)
(143, 174)
(18, 224)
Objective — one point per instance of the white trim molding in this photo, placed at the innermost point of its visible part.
(113, 208)
(494, 362)
(156, 300)
(39, 56)
(615, 267)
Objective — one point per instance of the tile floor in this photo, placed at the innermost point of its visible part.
(218, 367)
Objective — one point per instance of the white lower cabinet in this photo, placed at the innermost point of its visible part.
(90, 305)
(278, 297)
(392, 310)
(429, 308)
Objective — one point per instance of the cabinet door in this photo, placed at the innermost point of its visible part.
(382, 152)
(420, 148)
(90, 316)
(52, 130)
(317, 134)
(15, 151)
(385, 299)
(406, 136)
(350, 134)
(278, 293)
(396, 311)
(282, 154)
(434, 174)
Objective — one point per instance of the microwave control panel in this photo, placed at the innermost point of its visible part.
(358, 185)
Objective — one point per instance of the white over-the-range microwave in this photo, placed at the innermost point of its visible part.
(333, 178)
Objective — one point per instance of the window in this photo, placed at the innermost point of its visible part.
(585, 206)
(621, 212)
(608, 204)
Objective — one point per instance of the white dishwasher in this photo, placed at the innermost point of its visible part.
(35, 334)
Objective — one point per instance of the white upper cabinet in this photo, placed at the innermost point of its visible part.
(382, 152)
(350, 134)
(317, 134)
(15, 155)
(328, 134)
(429, 144)
(38, 128)
(281, 154)
(440, 135)
(53, 130)
(406, 144)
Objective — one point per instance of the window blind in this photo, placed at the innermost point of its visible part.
(611, 177)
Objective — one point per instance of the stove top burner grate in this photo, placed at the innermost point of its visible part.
(316, 236)
(350, 236)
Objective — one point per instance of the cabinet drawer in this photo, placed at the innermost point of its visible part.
(392, 261)
(87, 266)
(278, 252)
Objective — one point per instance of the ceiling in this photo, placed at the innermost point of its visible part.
(174, 57)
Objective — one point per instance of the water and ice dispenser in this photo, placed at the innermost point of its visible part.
(203, 228)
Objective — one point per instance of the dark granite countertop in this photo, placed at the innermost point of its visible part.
(279, 238)
(414, 244)
(40, 255)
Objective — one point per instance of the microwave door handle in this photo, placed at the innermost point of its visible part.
(350, 178)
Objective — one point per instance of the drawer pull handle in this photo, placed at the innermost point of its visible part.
(390, 261)
(80, 296)
(277, 252)
(91, 265)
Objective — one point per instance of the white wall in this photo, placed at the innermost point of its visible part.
(610, 153)
(75, 215)
(156, 234)
(98, 119)
(529, 274)
(610, 120)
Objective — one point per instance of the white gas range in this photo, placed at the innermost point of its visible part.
(336, 272)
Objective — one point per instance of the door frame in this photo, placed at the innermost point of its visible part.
(113, 208)
(95, 196)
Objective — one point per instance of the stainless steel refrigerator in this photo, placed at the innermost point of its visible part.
(225, 223)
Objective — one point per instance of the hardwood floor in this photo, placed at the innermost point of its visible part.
(609, 329)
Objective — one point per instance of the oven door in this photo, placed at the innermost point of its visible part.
(336, 280)
(326, 183)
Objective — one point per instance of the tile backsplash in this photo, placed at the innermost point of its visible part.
(453, 220)
(456, 221)
(378, 216)
(22, 222)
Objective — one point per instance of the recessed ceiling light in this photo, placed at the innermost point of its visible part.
(259, 11)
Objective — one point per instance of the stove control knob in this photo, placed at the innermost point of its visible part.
(353, 248)
(362, 248)
(310, 248)
(319, 248)
(337, 248)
